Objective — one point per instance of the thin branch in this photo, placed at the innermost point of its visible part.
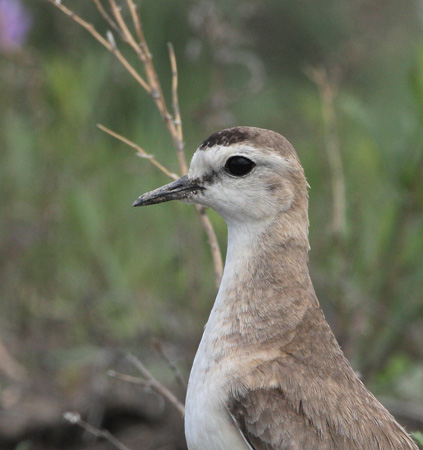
(153, 87)
(213, 242)
(91, 29)
(175, 101)
(137, 22)
(75, 418)
(126, 34)
(130, 379)
(177, 374)
(175, 130)
(141, 152)
(106, 17)
(153, 80)
(327, 85)
(156, 385)
(328, 90)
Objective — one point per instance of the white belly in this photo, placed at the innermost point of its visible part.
(208, 424)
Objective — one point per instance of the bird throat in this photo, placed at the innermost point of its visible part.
(266, 288)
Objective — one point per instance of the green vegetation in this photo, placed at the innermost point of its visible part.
(82, 271)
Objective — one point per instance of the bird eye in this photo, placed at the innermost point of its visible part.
(239, 166)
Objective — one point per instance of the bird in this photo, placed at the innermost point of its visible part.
(269, 373)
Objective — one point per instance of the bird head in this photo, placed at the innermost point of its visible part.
(245, 174)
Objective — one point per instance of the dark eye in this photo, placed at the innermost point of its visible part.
(239, 165)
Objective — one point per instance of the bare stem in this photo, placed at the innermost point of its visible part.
(106, 17)
(129, 379)
(178, 377)
(75, 418)
(126, 34)
(156, 385)
(213, 242)
(140, 150)
(175, 100)
(90, 28)
(136, 20)
(152, 86)
(327, 84)
(328, 90)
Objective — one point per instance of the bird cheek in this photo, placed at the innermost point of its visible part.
(283, 196)
(287, 199)
(199, 197)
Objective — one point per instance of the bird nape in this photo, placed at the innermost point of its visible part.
(269, 373)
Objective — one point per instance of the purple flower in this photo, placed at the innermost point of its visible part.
(15, 24)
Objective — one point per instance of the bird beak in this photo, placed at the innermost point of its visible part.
(181, 189)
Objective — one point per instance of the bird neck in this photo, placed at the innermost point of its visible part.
(256, 254)
(274, 250)
(265, 278)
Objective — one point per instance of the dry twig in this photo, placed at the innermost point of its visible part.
(155, 385)
(75, 418)
(151, 85)
(327, 84)
(148, 382)
(106, 17)
(328, 90)
(140, 151)
(175, 99)
(178, 377)
(90, 28)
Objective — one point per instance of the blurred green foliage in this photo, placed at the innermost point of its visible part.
(80, 267)
(418, 437)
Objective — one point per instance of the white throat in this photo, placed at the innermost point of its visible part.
(208, 425)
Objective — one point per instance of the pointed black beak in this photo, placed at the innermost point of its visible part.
(178, 190)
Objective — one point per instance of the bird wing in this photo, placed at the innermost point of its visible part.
(307, 397)
(268, 422)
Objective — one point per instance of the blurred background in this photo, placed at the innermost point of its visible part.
(85, 279)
